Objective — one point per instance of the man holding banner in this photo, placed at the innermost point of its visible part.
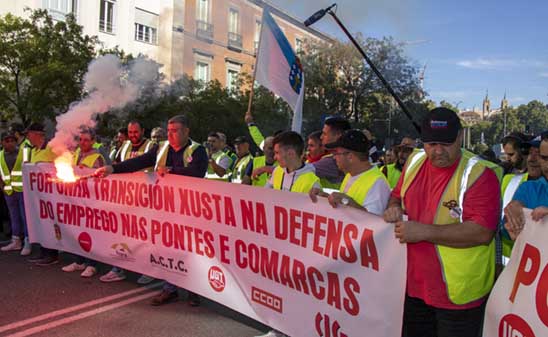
(179, 155)
(452, 203)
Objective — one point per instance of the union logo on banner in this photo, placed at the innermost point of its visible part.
(296, 76)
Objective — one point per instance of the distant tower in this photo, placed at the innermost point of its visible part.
(504, 102)
(486, 106)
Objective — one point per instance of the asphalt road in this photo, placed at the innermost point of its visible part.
(45, 301)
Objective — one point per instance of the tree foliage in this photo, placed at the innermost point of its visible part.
(42, 65)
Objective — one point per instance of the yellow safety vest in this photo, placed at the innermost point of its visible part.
(89, 160)
(239, 168)
(468, 272)
(13, 180)
(392, 175)
(359, 190)
(125, 150)
(261, 180)
(45, 155)
(499, 172)
(161, 157)
(508, 188)
(303, 183)
(217, 157)
(326, 183)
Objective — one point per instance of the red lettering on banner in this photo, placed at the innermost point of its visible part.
(253, 216)
(199, 205)
(280, 223)
(368, 249)
(541, 296)
(224, 247)
(230, 219)
(46, 210)
(134, 194)
(532, 254)
(512, 325)
(98, 219)
(134, 227)
(206, 210)
(183, 237)
(292, 273)
(77, 189)
(41, 182)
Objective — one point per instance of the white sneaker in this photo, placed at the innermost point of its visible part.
(145, 279)
(15, 244)
(27, 247)
(74, 267)
(273, 333)
(113, 276)
(89, 271)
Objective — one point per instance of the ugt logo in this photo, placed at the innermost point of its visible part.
(514, 326)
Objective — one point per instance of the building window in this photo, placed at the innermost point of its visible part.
(58, 9)
(232, 79)
(202, 71)
(233, 21)
(106, 16)
(257, 34)
(203, 10)
(146, 26)
(298, 45)
(145, 34)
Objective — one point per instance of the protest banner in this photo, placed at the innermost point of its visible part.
(305, 269)
(518, 304)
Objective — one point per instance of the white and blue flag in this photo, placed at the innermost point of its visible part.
(279, 69)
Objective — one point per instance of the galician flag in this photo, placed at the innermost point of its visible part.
(279, 69)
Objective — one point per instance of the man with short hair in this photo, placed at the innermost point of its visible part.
(119, 140)
(244, 158)
(404, 150)
(364, 187)
(158, 135)
(179, 155)
(326, 168)
(11, 162)
(219, 162)
(253, 172)
(452, 203)
(512, 146)
(530, 194)
(137, 144)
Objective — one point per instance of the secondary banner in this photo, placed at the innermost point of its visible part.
(305, 269)
(518, 304)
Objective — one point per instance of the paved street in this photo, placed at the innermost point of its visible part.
(45, 301)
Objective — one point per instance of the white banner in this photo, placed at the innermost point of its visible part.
(518, 304)
(305, 269)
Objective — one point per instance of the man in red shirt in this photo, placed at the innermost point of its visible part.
(452, 204)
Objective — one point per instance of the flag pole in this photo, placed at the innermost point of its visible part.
(252, 91)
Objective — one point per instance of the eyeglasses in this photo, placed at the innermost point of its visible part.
(340, 153)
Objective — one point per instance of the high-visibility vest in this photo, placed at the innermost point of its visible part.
(256, 135)
(44, 155)
(468, 273)
(161, 157)
(508, 188)
(113, 153)
(13, 180)
(261, 180)
(89, 160)
(392, 174)
(303, 183)
(217, 157)
(125, 150)
(499, 171)
(359, 190)
(239, 168)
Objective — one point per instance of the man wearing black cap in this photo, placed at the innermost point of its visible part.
(364, 187)
(452, 203)
(41, 153)
(241, 144)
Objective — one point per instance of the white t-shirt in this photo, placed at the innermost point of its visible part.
(377, 197)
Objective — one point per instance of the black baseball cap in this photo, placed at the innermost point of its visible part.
(441, 125)
(353, 140)
(36, 127)
(241, 140)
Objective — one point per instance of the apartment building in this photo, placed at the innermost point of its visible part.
(207, 39)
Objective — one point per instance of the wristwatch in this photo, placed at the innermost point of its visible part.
(345, 201)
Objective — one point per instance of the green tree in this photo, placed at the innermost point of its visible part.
(533, 116)
(42, 64)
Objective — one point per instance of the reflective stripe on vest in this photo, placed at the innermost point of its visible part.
(512, 187)
(144, 148)
(217, 156)
(161, 158)
(89, 160)
(303, 183)
(468, 273)
(359, 190)
(239, 168)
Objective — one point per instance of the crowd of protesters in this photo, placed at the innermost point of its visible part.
(458, 212)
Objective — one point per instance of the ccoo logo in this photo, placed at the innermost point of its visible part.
(84, 239)
(514, 326)
(216, 279)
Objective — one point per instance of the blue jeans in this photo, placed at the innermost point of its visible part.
(16, 207)
(88, 262)
(168, 287)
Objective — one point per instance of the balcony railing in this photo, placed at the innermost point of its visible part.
(106, 26)
(234, 40)
(204, 30)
